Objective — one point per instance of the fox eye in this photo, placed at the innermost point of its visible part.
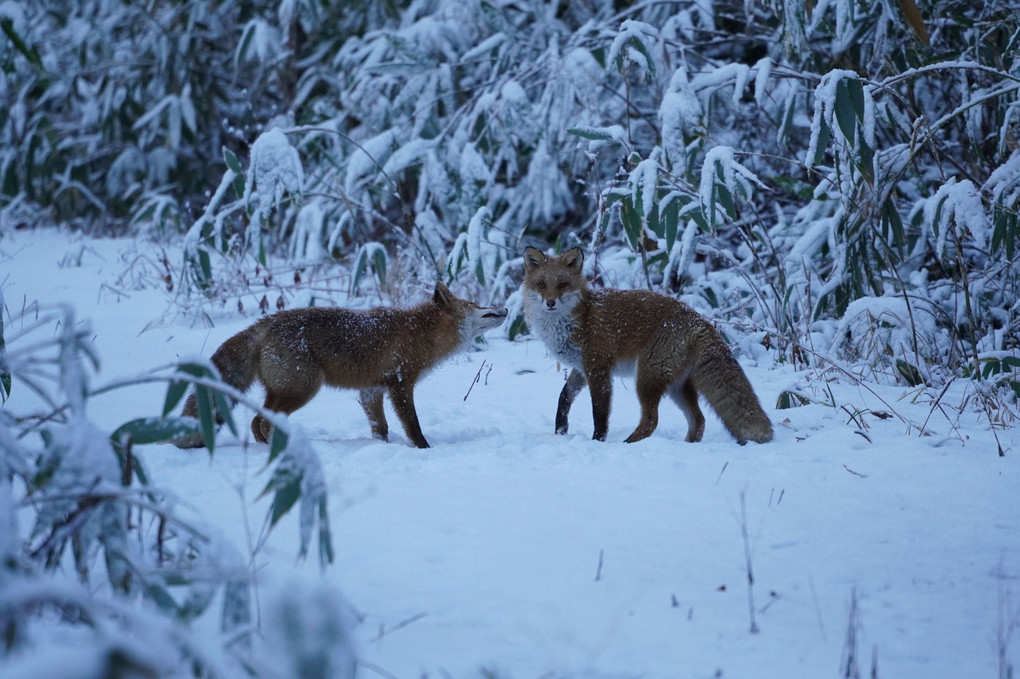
(563, 285)
(541, 285)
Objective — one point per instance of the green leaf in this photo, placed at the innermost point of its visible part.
(223, 410)
(518, 327)
(277, 442)
(592, 133)
(379, 263)
(845, 113)
(670, 222)
(855, 90)
(910, 373)
(5, 373)
(824, 135)
(153, 430)
(174, 393)
(29, 52)
(724, 196)
(631, 222)
(232, 162)
(791, 399)
(205, 416)
(284, 499)
(359, 268)
(325, 536)
(164, 602)
(891, 219)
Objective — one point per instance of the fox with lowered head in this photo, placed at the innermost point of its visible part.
(673, 350)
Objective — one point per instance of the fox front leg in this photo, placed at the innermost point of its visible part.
(575, 382)
(600, 386)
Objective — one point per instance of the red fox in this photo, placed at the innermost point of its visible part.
(292, 353)
(673, 349)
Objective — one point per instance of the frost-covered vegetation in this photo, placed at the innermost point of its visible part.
(776, 164)
(839, 181)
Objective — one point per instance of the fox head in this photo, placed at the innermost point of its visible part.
(472, 320)
(553, 284)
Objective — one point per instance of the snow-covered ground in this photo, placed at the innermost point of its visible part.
(505, 550)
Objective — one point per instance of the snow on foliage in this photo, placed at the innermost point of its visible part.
(844, 109)
(308, 632)
(680, 114)
(274, 172)
(628, 47)
(954, 213)
(724, 180)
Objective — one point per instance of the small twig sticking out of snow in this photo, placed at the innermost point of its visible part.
(478, 377)
(851, 668)
(386, 631)
(864, 435)
(598, 569)
(857, 474)
(725, 465)
(747, 561)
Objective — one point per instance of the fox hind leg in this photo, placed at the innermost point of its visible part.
(371, 401)
(283, 401)
(649, 392)
(684, 394)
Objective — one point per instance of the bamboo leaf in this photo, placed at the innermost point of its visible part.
(29, 53)
(591, 133)
(5, 372)
(284, 499)
(824, 135)
(206, 417)
(174, 393)
(791, 399)
(153, 430)
(277, 442)
(232, 162)
(845, 117)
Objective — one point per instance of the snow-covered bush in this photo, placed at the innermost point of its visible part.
(770, 162)
(112, 568)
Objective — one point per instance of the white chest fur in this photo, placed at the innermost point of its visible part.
(555, 325)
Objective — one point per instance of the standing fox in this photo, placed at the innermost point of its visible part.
(292, 353)
(673, 349)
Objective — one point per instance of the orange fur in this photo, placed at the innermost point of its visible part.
(293, 353)
(673, 349)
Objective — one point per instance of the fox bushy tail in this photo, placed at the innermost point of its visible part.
(237, 362)
(717, 375)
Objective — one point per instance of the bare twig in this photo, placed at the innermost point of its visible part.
(747, 561)
(477, 379)
(857, 474)
(386, 631)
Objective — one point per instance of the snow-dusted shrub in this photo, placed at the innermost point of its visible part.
(771, 162)
(111, 565)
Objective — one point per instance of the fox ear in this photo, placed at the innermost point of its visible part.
(573, 258)
(533, 257)
(442, 295)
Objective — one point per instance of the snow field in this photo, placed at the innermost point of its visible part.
(507, 549)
